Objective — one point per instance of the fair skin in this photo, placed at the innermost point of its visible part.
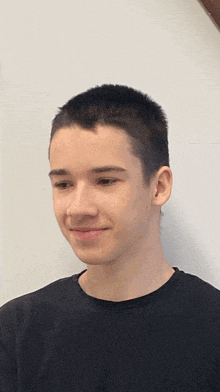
(126, 260)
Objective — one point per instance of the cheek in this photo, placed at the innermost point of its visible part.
(135, 213)
(58, 209)
(125, 215)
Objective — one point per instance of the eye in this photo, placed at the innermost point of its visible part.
(62, 185)
(107, 181)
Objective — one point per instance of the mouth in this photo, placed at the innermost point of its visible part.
(88, 235)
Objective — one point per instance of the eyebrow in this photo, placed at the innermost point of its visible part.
(101, 169)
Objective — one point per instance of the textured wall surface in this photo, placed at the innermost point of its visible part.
(52, 50)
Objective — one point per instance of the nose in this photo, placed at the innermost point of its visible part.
(81, 202)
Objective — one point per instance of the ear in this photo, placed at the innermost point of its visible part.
(162, 186)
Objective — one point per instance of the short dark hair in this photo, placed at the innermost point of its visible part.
(127, 109)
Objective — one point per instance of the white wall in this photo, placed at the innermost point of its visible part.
(52, 50)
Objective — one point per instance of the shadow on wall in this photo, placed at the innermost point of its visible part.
(182, 250)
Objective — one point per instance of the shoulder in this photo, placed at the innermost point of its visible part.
(52, 288)
(198, 286)
(43, 300)
(198, 295)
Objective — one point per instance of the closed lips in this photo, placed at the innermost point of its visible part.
(89, 229)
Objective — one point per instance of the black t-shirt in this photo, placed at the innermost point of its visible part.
(60, 339)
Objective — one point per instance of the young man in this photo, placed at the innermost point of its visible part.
(129, 321)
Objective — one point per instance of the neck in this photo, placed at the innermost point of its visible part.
(127, 280)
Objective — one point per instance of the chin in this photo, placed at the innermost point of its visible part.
(87, 258)
(92, 259)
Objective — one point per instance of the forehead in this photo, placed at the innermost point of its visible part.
(82, 148)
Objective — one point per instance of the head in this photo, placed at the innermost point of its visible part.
(124, 108)
(104, 127)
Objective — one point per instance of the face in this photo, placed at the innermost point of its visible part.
(88, 196)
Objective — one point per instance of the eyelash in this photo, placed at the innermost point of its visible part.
(112, 180)
(64, 185)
